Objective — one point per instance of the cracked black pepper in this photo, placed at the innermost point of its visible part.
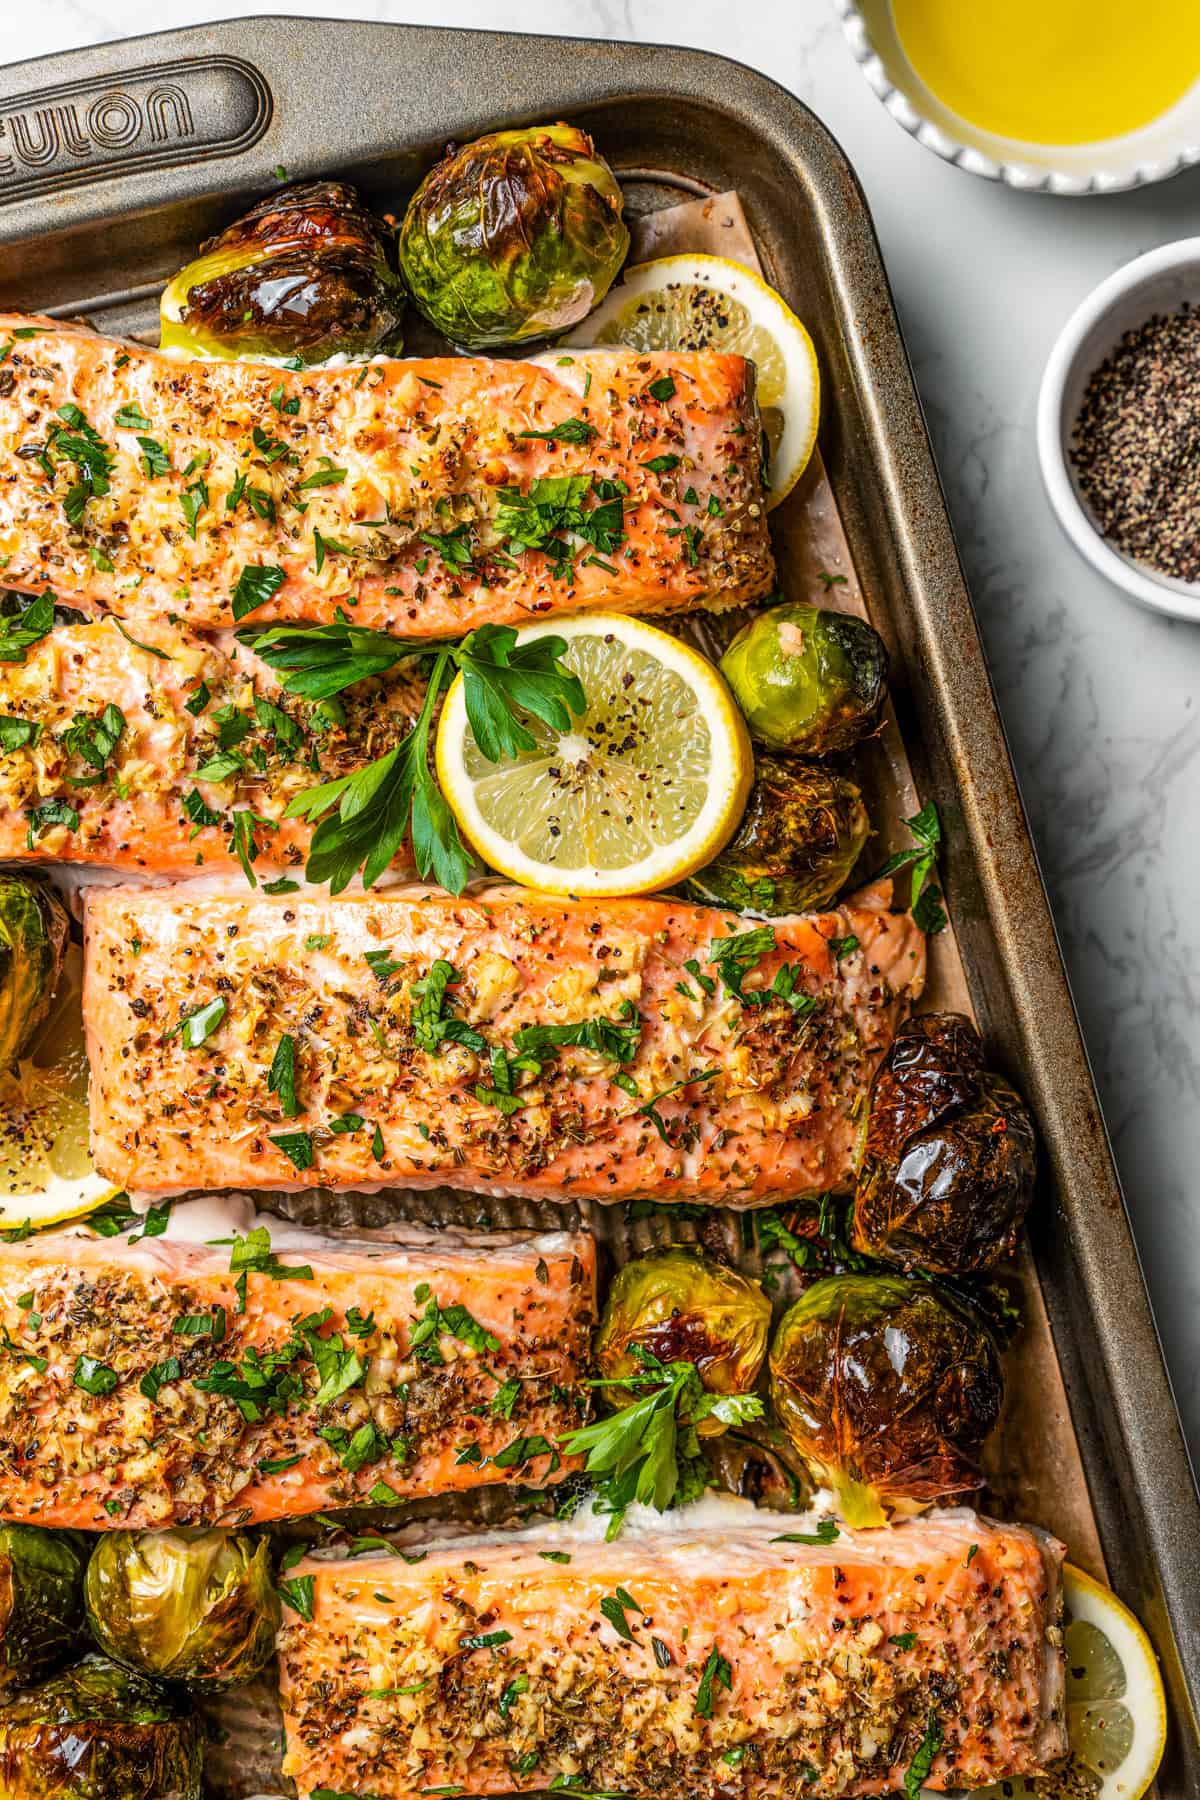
(1135, 445)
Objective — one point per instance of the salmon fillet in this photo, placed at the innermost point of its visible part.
(507, 1041)
(207, 753)
(419, 495)
(747, 1664)
(141, 1389)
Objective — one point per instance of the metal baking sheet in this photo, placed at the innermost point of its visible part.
(115, 160)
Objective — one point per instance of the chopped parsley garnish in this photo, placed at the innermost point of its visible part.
(716, 1673)
(131, 418)
(297, 1146)
(20, 631)
(94, 1377)
(17, 734)
(487, 1640)
(827, 1532)
(452, 1321)
(925, 900)
(155, 459)
(570, 431)
(49, 813)
(298, 1594)
(94, 739)
(197, 1026)
(614, 1607)
(158, 1376)
(282, 1077)
(918, 1770)
(903, 1640)
(255, 586)
(662, 388)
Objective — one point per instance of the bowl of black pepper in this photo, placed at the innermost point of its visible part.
(1119, 429)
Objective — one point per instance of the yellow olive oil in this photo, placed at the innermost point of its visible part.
(1053, 71)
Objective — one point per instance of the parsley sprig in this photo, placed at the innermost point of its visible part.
(925, 899)
(362, 818)
(649, 1450)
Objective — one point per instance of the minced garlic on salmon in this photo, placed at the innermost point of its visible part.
(174, 753)
(156, 1383)
(697, 1662)
(428, 497)
(509, 1041)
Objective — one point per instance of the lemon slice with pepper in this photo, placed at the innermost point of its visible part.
(644, 788)
(709, 303)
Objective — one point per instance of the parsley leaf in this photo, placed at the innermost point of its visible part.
(282, 1077)
(20, 632)
(255, 585)
(716, 1672)
(925, 902)
(918, 1770)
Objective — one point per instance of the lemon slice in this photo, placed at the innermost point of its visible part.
(1116, 1708)
(46, 1172)
(646, 787)
(709, 303)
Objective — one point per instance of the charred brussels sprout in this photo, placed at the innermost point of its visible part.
(808, 680)
(197, 1607)
(304, 275)
(681, 1307)
(948, 1170)
(34, 929)
(515, 236)
(887, 1388)
(41, 1601)
(799, 838)
(98, 1732)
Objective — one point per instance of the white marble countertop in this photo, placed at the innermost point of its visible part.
(1098, 697)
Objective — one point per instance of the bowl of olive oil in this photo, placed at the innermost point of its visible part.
(1054, 96)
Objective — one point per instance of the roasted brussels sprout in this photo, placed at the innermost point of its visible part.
(515, 236)
(807, 679)
(41, 1601)
(888, 1389)
(193, 1606)
(799, 838)
(34, 931)
(948, 1169)
(306, 274)
(680, 1306)
(98, 1732)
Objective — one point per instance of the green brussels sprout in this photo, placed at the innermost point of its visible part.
(515, 236)
(198, 1607)
(34, 932)
(41, 1601)
(807, 679)
(306, 274)
(98, 1732)
(887, 1388)
(680, 1306)
(801, 834)
(950, 1159)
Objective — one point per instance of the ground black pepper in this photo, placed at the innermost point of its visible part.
(1135, 446)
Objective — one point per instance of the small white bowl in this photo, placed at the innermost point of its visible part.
(1158, 282)
(1162, 148)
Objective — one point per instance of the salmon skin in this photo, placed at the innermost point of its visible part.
(173, 753)
(425, 497)
(508, 1041)
(156, 1383)
(742, 1664)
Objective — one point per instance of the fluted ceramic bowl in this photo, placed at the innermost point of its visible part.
(1164, 147)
